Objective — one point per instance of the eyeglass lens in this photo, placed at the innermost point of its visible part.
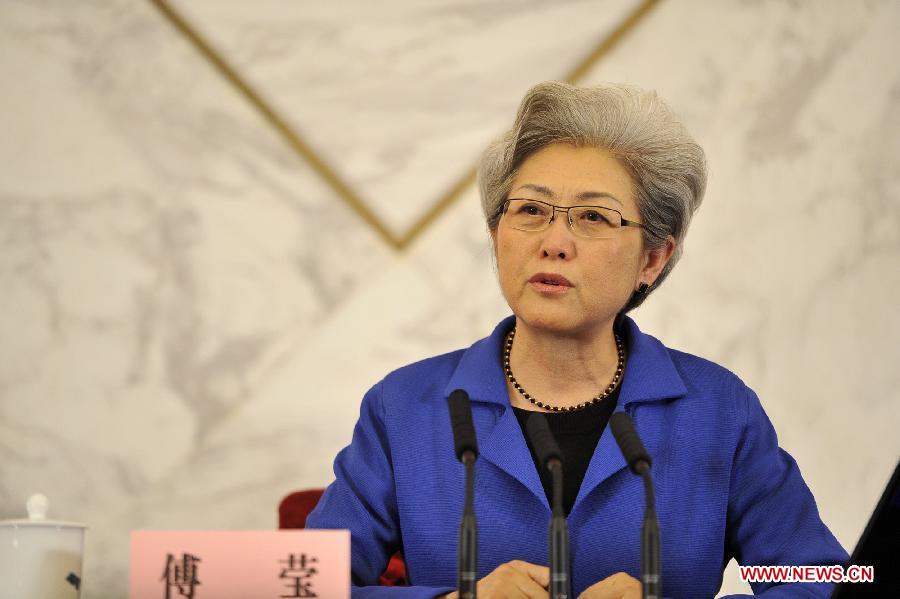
(587, 221)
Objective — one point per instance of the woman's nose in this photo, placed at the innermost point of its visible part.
(558, 239)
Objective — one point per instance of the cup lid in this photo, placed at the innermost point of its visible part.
(26, 523)
(37, 506)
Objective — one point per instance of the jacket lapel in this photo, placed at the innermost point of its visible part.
(505, 448)
(650, 376)
(500, 439)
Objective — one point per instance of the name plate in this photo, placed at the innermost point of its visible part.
(239, 564)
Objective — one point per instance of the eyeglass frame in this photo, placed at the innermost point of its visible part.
(625, 222)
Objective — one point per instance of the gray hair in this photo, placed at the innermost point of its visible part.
(666, 164)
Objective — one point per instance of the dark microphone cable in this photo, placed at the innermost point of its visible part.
(466, 447)
(550, 457)
(639, 462)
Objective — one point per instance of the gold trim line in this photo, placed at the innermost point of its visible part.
(281, 126)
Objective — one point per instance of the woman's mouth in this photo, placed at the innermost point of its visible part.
(550, 283)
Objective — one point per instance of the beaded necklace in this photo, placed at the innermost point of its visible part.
(617, 378)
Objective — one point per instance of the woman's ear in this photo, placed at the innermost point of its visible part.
(656, 259)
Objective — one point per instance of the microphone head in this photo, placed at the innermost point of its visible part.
(542, 439)
(629, 442)
(461, 421)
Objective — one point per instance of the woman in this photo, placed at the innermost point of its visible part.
(587, 200)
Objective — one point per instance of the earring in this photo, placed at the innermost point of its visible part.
(642, 288)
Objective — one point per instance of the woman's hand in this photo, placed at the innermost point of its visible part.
(617, 586)
(513, 580)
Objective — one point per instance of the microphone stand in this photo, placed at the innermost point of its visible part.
(559, 537)
(639, 462)
(466, 448)
(467, 568)
(550, 457)
(650, 564)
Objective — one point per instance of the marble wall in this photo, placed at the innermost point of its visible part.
(191, 313)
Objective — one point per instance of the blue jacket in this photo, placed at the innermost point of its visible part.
(723, 486)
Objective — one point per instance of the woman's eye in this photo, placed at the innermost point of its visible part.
(532, 209)
(593, 216)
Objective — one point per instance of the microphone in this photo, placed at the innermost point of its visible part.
(463, 429)
(550, 457)
(466, 448)
(639, 462)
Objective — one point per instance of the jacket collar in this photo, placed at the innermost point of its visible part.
(650, 374)
(480, 372)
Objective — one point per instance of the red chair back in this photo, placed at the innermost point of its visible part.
(294, 508)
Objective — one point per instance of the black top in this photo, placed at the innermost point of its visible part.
(577, 434)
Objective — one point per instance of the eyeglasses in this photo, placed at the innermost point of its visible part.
(596, 222)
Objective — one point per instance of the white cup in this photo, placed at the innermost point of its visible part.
(40, 558)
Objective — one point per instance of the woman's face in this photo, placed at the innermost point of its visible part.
(599, 274)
